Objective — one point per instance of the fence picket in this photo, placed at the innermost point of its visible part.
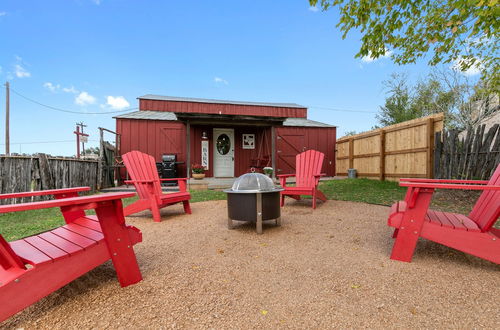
(474, 157)
(20, 173)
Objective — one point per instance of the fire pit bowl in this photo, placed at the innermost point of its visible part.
(253, 197)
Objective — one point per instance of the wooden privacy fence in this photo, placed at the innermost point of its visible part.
(392, 152)
(473, 156)
(25, 173)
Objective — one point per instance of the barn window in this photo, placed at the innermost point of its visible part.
(223, 144)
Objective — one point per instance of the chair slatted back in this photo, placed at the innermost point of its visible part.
(487, 209)
(308, 164)
(141, 166)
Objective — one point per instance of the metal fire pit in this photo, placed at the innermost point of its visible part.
(253, 197)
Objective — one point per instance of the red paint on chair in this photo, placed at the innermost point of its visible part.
(473, 234)
(33, 267)
(142, 170)
(308, 166)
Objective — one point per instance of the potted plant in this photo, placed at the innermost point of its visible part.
(268, 171)
(198, 171)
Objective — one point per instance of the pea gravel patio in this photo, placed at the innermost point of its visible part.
(324, 268)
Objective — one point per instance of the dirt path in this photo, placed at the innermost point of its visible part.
(321, 269)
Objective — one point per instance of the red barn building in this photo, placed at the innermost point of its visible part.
(227, 137)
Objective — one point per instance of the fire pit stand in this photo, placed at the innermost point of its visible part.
(253, 197)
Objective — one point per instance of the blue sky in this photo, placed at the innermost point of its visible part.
(99, 56)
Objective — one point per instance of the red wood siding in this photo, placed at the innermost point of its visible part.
(224, 109)
(154, 138)
(161, 137)
(242, 157)
(291, 141)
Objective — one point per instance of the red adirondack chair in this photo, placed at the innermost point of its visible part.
(473, 234)
(308, 167)
(142, 169)
(33, 267)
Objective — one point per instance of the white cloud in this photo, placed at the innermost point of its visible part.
(369, 58)
(314, 9)
(51, 87)
(219, 80)
(474, 70)
(56, 88)
(21, 72)
(3, 13)
(97, 2)
(70, 90)
(117, 102)
(84, 98)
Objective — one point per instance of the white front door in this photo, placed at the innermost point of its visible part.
(223, 152)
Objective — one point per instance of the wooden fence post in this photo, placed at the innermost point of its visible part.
(430, 146)
(351, 153)
(45, 173)
(438, 149)
(382, 155)
(101, 159)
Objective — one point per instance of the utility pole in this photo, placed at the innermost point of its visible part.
(78, 135)
(77, 132)
(83, 139)
(7, 119)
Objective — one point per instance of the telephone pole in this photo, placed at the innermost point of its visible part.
(82, 125)
(7, 115)
(79, 136)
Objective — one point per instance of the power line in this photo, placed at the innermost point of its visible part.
(340, 110)
(130, 109)
(66, 110)
(45, 142)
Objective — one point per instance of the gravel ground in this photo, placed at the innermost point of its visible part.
(322, 269)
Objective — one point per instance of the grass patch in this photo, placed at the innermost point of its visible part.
(21, 224)
(17, 225)
(206, 195)
(363, 190)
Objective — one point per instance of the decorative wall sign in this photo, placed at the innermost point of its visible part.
(204, 154)
(248, 141)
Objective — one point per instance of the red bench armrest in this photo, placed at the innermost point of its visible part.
(45, 192)
(76, 203)
(443, 181)
(175, 179)
(449, 186)
(285, 175)
(138, 181)
(182, 183)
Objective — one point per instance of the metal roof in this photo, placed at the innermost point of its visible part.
(302, 122)
(190, 99)
(164, 115)
(148, 115)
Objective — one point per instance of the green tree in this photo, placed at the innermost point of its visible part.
(91, 151)
(464, 33)
(398, 105)
(463, 103)
(350, 133)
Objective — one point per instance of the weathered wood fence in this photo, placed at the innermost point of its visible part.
(392, 152)
(474, 156)
(20, 173)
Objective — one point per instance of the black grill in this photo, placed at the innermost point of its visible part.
(167, 168)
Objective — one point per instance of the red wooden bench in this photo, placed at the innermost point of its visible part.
(473, 234)
(308, 171)
(142, 169)
(33, 267)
